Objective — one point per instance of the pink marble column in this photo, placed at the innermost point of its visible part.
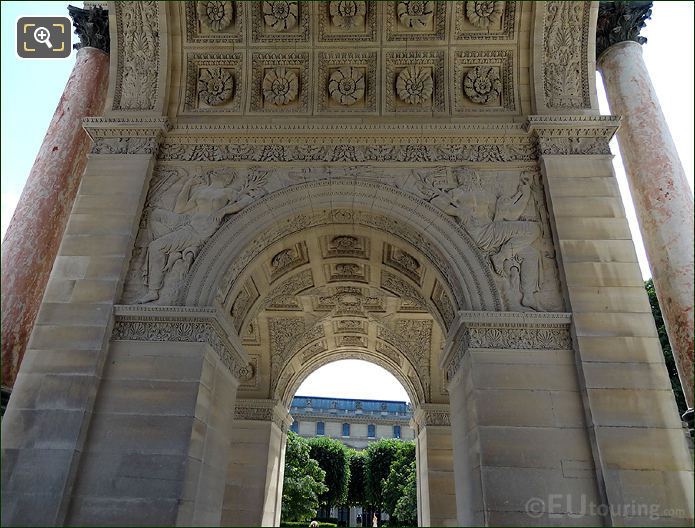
(663, 200)
(37, 226)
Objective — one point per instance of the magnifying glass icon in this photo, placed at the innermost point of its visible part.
(42, 36)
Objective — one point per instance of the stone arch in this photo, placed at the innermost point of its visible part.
(328, 201)
(285, 391)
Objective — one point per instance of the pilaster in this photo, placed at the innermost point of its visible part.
(627, 397)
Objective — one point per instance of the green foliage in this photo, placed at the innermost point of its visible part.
(356, 494)
(406, 506)
(304, 481)
(378, 459)
(666, 347)
(333, 458)
(394, 486)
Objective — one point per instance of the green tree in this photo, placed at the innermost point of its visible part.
(356, 495)
(666, 347)
(406, 507)
(332, 457)
(378, 459)
(394, 486)
(304, 481)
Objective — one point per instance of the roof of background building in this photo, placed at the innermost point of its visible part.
(347, 405)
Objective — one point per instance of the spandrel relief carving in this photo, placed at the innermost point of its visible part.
(182, 213)
(508, 224)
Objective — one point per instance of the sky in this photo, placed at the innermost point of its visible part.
(30, 91)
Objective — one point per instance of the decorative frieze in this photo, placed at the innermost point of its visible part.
(431, 415)
(181, 324)
(565, 135)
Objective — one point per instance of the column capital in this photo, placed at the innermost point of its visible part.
(91, 26)
(619, 22)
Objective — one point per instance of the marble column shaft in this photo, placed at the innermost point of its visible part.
(36, 229)
(663, 200)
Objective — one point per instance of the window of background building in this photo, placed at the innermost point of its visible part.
(396, 431)
(320, 428)
(346, 429)
(371, 431)
(295, 427)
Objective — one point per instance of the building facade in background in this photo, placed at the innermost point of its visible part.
(355, 423)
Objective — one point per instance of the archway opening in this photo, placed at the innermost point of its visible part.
(356, 419)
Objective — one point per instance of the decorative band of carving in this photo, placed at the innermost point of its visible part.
(311, 150)
(263, 411)
(432, 414)
(564, 135)
(125, 136)
(190, 325)
(504, 330)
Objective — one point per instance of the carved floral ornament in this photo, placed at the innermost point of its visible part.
(482, 84)
(281, 16)
(280, 86)
(346, 85)
(215, 86)
(414, 85)
(415, 14)
(484, 14)
(347, 14)
(215, 15)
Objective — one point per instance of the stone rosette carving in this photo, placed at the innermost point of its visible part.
(415, 14)
(346, 85)
(280, 15)
(414, 85)
(215, 15)
(347, 14)
(280, 86)
(215, 86)
(484, 14)
(482, 84)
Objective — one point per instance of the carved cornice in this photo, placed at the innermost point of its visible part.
(181, 324)
(264, 411)
(504, 330)
(432, 414)
(91, 26)
(620, 22)
(125, 136)
(564, 135)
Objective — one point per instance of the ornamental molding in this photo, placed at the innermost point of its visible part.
(566, 135)
(432, 414)
(107, 127)
(263, 410)
(183, 324)
(504, 330)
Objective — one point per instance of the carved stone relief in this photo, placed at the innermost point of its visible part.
(565, 49)
(484, 20)
(137, 27)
